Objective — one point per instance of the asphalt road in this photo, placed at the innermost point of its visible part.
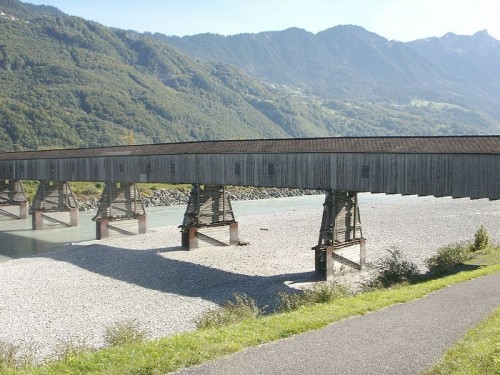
(402, 339)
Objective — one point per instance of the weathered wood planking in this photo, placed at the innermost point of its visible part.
(432, 171)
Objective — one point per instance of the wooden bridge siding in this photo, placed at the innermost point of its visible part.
(460, 175)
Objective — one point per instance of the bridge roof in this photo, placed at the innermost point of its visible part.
(413, 145)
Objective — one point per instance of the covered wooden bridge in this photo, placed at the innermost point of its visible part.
(459, 166)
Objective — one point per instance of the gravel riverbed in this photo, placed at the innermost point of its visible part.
(73, 294)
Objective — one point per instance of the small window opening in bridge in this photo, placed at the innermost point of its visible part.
(52, 168)
(148, 168)
(73, 168)
(172, 169)
(270, 169)
(365, 171)
(237, 169)
(121, 168)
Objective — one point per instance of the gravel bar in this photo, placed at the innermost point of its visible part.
(72, 295)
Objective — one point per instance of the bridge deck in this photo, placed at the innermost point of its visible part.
(460, 166)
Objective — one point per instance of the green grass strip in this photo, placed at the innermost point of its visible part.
(187, 349)
(477, 353)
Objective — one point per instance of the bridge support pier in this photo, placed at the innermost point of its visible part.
(12, 194)
(54, 197)
(209, 218)
(120, 205)
(340, 230)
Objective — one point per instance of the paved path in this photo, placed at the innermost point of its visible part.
(402, 339)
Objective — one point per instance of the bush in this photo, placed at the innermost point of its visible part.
(393, 269)
(12, 358)
(320, 293)
(242, 308)
(8, 355)
(481, 239)
(90, 190)
(448, 257)
(67, 350)
(123, 333)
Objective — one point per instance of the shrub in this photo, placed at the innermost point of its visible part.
(11, 357)
(448, 257)
(481, 239)
(123, 333)
(319, 293)
(393, 269)
(242, 308)
(8, 355)
(90, 190)
(68, 349)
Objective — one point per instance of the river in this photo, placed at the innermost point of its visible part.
(18, 240)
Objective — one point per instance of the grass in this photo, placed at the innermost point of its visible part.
(172, 353)
(477, 353)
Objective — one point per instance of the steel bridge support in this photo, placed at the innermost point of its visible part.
(340, 229)
(12, 194)
(207, 218)
(120, 205)
(53, 197)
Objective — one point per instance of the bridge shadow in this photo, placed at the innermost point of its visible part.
(15, 245)
(153, 269)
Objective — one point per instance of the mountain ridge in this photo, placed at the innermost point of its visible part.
(68, 82)
(365, 65)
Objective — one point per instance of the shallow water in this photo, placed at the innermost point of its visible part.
(18, 240)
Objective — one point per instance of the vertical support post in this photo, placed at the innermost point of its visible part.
(143, 227)
(73, 216)
(23, 210)
(355, 215)
(329, 263)
(192, 238)
(102, 230)
(37, 220)
(362, 253)
(324, 235)
(223, 203)
(233, 234)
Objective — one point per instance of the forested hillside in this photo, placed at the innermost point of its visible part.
(70, 82)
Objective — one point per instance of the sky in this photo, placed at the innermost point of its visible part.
(402, 20)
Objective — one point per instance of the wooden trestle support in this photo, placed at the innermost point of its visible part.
(340, 229)
(120, 203)
(12, 194)
(53, 197)
(208, 215)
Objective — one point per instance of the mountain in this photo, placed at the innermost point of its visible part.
(474, 59)
(352, 63)
(68, 82)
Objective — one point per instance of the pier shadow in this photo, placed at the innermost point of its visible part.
(149, 269)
